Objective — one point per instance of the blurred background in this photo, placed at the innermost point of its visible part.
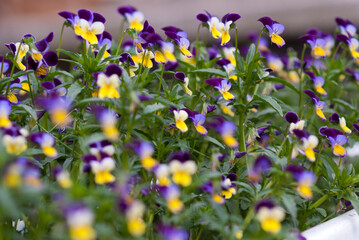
(39, 17)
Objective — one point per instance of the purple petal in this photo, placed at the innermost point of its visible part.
(264, 203)
(211, 108)
(341, 140)
(214, 81)
(113, 69)
(51, 58)
(42, 45)
(239, 154)
(291, 117)
(356, 127)
(223, 62)
(85, 14)
(67, 15)
(342, 38)
(231, 17)
(98, 18)
(334, 118)
(202, 18)
(180, 76)
(310, 74)
(125, 9)
(266, 21)
(181, 156)
(48, 85)
(57, 81)
(50, 37)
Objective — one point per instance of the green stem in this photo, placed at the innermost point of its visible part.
(2, 67)
(340, 162)
(30, 89)
(159, 86)
(197, 37)
(301, 81)
(242, 140)
(121, 35)
(60, 42)
(319, 201)
(259, 38)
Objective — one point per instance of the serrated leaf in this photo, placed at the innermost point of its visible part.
(212, 71)
(271, 102)
(153, 108)
(74, 90)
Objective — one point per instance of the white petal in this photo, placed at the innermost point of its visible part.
(97, 28)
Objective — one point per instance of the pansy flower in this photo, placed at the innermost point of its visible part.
(182, 77)
(228, 188)
(14, 89)
(134, 17)
(305, 180)
(105, 40)
(62, 177)
(227, 109)
(219, 29)
(270, 216)
(14, 140)
(46, 141)
(144, 57)
(309, 143)
(352, 43)
(5, 110)
(318, 45)
(328, 38)
(19, 51)
(86, 24)
(182, 168)
(346, 27)
(228, 67)
(134, 217)
(165, 53)
(180, 118)
(162, 172)
(198, 121)
(53, 89)
(108, 121)
(58, 108)
(101, 167)
(343, 125)
(227, 130)
(274, 30)
(319, 105)
(215, 194)
(109, 82)
(172, 195)
(294, 121)
(261, 165)
(222, 85)
(337, 140)
(318, 82)
(101, 146)
(80, 219)
(180, 37)
(21, 172)
(145, 151)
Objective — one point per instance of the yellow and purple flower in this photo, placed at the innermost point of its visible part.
(261, 165)
(79, 219)
(228, 188)
(274, 30)
(346, 27)
(182, 168)
(182, 77)
(5, 110)
(52, 88)
(134, 217)
(145, 151)
(222, 85)
(318, 82)
(305, 180)
(318, 45)
(19, 51)
(101, 167)
(108, 121)
(180, 38)
(309, 143)
(62, 177)
(109, 82)
(86, 24)
(134, 17)
(105, 40)
(319, 105)
(14, 140)
(162, 172)
(270, 216)
(172, 195)
(180, 118)
(219, 29)
(58, 108)
(227, 130)
(294, 121)
(46, 141)
(228, 67)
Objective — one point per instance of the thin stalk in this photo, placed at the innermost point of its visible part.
(2, 67)
(121, 35)
(319, 201)
(242, 140)
(197, 37)
(301, 81)
(30, 89)
(159, 86)
(60, 42)
(259, 38)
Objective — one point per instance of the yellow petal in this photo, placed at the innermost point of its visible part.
(90, 37)
(186, 52)
(103, 177)
(111, 132)
(182, 178)
(12, 98)
(148, 163)
(305, 191)
(320, 113)
(226, 194)
(78, 30)
(339, 150)
(310, 154)
(26, 87)
(181, 125)
(82, 232)
(5, 122)
(225, 38)
(175, 205)
(49, 151)
(202, 130)
(227, 95)
(108, 91)
(355, 54)
(21, 66)
(136, 226)
(159, 57)
(230, 141)
(170, 57)
(321, 90)
(271, 225)
(136, 25)
(215, 33)
(147, 62)
(277, 40)
(319, 52)
(218, 199)
(12, 179)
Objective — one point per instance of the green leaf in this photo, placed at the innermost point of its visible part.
(8, 204)
(153, 108)
(270, 101)
(250, 53)
(29, 110)
(73, 56)
(321, 211)
(281, 81)
(214, 141)
(93, 100)
(344, 104)
(355, 202)
(74, 90)
(212, 71)
(291, 207)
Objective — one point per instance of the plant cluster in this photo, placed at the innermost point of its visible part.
(158, 137)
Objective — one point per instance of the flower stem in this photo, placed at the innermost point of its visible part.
(60, 41)
(301, 81)
(197, 37)
(160, 84)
